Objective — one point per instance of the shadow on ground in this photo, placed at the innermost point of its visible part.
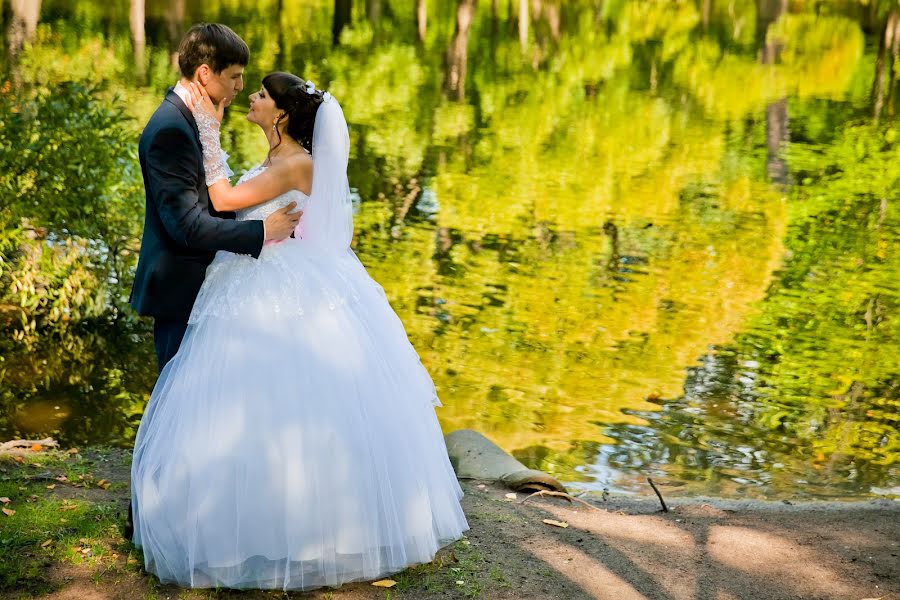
(622, 550)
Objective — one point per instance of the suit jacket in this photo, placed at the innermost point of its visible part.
(182, 230)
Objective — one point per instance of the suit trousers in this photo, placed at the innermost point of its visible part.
(167, 336)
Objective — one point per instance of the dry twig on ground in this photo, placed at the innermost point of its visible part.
(658, 495)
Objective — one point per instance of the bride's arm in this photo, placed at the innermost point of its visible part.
(274, 181)
(292, 173)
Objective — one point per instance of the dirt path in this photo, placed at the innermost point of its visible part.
(700, 550)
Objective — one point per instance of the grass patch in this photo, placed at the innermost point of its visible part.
(499, 578)
(55, 521)
(460, 563)
(68, 517)
(497, 517)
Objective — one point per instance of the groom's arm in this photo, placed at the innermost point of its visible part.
(172, 165)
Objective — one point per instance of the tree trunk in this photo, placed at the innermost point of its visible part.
(553, 19)
(777, 137)
(777, 132)
(767, 12)
(495, 29)
(894, 24)
(523, 24)
(137, 18)
(175, 28)
(422, 19)
(281, 47)
(878, 84)
(22, 25)
(706, 13)
(458, 52)
(886, 65)
(343, 11)
(374, 11)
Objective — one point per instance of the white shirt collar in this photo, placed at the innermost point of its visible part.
(183, 93)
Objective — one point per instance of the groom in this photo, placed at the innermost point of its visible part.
(182, 230)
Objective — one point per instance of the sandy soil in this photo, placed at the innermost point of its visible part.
(624, 549)
(621, 549)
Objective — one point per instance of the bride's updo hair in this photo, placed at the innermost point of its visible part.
(290, 95)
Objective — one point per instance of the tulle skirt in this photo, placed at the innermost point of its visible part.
(292, 442)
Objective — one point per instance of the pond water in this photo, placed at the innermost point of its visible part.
(628, 238)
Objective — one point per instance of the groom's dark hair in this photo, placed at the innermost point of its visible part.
(211, 44)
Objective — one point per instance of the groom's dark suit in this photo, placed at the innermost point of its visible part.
(182, 230)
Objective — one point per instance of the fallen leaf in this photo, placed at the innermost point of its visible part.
(8, 512)
(132, 561)
(86, 551)
(51, 486)
(510, 496)
(18, 459)
(460, 582)
(47, 543)
(63, 520)
(384, 583)
(103, 483)
(5, 500)
(76, 548)
(562, 524)
(36, 448)
(481, 486)
(73, 450)
(83, 540)
(62, 478)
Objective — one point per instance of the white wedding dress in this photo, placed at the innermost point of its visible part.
(292, 442)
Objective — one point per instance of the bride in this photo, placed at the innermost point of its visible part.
(292, 442)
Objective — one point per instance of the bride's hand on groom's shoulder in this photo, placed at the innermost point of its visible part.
(200, 100)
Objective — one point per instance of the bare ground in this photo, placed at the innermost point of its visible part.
(701, 549)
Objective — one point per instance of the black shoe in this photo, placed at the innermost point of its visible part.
(129, 524)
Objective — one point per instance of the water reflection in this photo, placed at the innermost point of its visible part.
(643, 238)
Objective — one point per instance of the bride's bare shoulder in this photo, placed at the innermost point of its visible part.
(296, 168)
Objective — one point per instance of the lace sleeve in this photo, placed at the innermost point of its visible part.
(213, 157)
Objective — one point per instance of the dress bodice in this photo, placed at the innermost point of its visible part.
(261, 211)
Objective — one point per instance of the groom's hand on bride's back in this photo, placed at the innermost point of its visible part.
(281, 223)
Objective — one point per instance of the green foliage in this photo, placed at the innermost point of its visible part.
(69, 233)
(70, 191)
